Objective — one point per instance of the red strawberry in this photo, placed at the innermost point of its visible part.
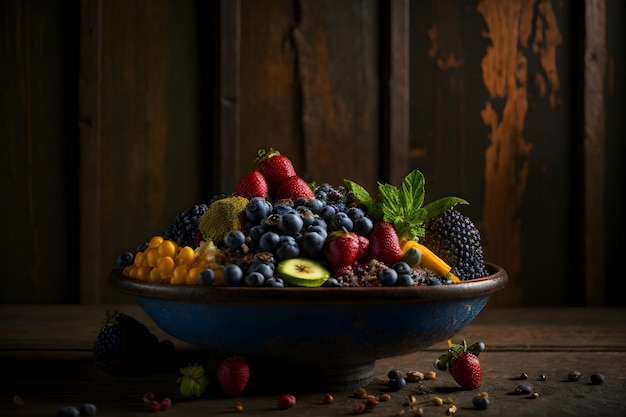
(233, 375)
(384, 244)
(252, 185)
(465, 370)
(276, 168)
(463, 363)
(294, 187)
(343, 248)
(286, 401)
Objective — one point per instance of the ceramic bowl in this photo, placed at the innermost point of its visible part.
(332, 335)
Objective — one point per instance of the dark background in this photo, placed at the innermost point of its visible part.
(115, 115)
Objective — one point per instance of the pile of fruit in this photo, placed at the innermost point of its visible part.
(277, 230)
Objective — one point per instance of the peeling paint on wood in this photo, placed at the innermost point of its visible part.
(505, 75)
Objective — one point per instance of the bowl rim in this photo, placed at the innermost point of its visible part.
(303, 295)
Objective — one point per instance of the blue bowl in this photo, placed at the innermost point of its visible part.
(334, 335)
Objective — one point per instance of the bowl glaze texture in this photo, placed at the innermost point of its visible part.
(335, 335)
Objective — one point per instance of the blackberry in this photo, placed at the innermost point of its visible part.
(184, 227)
(123, 343)
(456, 240)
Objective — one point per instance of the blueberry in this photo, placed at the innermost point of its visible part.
(341, 221)
(327, 213)
(523, 389)
(255, 279)
(318, 221)
(318, 228)
(393, 374)
(307, 216)
(332, 282)
(480, 402)
(234, 239)
(388, 277)
(402, 267)
(68, 412)
(282, 209)
(597, 378)
(275, 282)
(405, 280)
(264, 269)
(206, 277)
(143, 246)
(479, 347)
(435, 281)
(268, 241)
(287, 248)
(232, 274)
(396, 383)
(257, 209)
(87, 409)
(256, 232)
(363, 226)
(355, 213)
(313, 243)
(290, 224)
(125, 259)
(315, 205)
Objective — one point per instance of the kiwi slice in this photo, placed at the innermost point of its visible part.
(302, 272)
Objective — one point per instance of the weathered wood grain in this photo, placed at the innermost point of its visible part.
(46, 358)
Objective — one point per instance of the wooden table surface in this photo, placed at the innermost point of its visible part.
(46, 359)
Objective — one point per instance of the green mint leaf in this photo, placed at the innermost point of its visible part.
(412, 190)
(374, 208)
(441, 205)
(359, 192)
(391, 202)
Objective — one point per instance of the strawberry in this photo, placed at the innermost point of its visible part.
(232, 375)
(463, 363)
(252, 185)
(286, 401)
(343, 248)
(384, 244)
(276, 168)
(465, 370)
(294, 187)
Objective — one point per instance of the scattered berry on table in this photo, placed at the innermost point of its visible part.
(124, 345)
(597, 378)
(481, 401)
(68, 411)
(87, 409)
(463, 365)
(232, 375)
(286, 401)
(523, 389)
(574, 375)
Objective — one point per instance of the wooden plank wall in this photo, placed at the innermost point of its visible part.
(154, 106)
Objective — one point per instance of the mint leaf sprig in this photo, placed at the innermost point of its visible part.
(403, 206)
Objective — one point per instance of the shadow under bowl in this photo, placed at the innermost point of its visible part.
(332, 335)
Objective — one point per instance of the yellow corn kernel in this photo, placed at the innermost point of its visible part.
(133, 271)
(166, 266)
(168, 248)
(143, 273)
(152, 257)
(192, 275)
(180, 274)
(155, 241)
(155, 274)
(186, 256)
(140, 258)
